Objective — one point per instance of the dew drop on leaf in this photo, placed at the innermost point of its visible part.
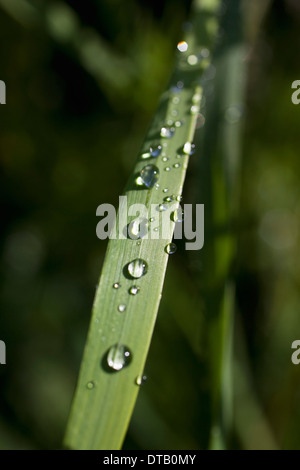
(118, 357)
(171, 248)
(149, 175)
(137, 268)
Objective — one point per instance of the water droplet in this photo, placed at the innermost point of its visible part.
(163, 207)
(141, 379)
(116, 285)
(167, 168)
(118, 357)
(155, 229)
(90, 385)
(171, 248)
(151, 219)
(176, 100)
(179, 123)
(177, 215)
(157, 186)
(168, 199)
(155, 150)
(149, 175)
(189, 148)
(169, 122)
(122, 308)
(176, 165)
(192, 59)
(137, 268)
(146, 155)
(165, 190)
(167, 132)
(165, 159)
(179, 198)
(180, 84)
(137, 228)
(174, 112)
(139, 243)
(182, 46)
(195, 109)
(134, 290)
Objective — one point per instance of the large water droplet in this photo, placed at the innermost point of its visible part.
(171, 248)
(118, 357)
(149, 175)
(167, 132)
(137, 268)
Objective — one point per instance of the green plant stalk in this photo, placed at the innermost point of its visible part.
(104, 399)
(219, 191)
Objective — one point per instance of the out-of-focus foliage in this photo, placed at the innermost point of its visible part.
(68, 138)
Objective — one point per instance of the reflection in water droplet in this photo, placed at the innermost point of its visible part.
(122, 308)
(155, 150)
(146, 155)
(137, 268)
(167, 132)
(178, 215)
(118, 357)
(182, 46)
(90, 385)
(141, 379)
(163, 207)
(116, 285)
(137, 228)
(149, 175)
(134, 290)
(171, 248)
(189, 148)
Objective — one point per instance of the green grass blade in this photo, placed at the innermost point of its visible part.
(104, 399)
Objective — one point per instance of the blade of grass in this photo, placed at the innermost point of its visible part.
(220, 144)
(104, 399)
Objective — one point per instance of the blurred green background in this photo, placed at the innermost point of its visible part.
(83, 81)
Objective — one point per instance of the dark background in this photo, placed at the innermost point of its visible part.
(82, 85)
